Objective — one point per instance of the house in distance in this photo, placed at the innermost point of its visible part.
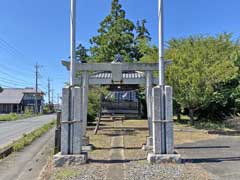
(19, 100)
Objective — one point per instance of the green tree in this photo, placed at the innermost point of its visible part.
(149, 52)
(199, 63)
(115, 36)
(142, 31)
(142, 41)
(82, 53)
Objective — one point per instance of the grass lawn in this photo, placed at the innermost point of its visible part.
(203, 124)
(14, 116)
(29, 138)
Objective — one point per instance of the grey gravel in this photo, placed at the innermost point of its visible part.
(91, 171)
(144, 171)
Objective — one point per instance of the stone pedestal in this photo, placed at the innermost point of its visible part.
(163, 146)
(60, 160)
(71, 130)
(87, 148)
(163, 158)
(149, 141)
(85, 140)
(85, 144)
(149, 145)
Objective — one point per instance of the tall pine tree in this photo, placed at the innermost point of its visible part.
(115, 36)
(81, 53)
(142, 31)
(142, 40)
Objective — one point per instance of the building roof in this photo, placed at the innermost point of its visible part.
(15, 95)
(125, 75)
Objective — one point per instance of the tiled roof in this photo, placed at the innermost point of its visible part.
(126, 75)
(14, 95)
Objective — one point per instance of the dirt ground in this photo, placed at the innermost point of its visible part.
(134, 134)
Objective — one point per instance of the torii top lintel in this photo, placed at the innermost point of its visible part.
(115, 66)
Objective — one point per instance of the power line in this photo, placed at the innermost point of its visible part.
(17, 71)
(15, 79)
(12, 83)
(12, 48)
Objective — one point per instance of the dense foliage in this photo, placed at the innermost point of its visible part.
(200, 65)
(204, 73)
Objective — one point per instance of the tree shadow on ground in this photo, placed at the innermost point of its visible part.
(121, 132)
(202, 147)
(120, 147)
(113, 161)
(210, 160)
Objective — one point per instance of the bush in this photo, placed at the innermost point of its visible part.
(94, 96)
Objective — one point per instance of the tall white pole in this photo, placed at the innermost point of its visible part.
(73, 43)
(161, 42)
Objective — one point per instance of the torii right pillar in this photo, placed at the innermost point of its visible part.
(163, 145)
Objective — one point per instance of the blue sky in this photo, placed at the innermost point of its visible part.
(38, 31)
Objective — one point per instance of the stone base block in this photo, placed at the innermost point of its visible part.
(89, 147)
(164, 158)
(149, 144)
(60, 160)
(85, 141)
(147, 148)
(149, 141)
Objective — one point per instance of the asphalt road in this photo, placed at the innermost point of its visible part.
(220, 156)
(12, 130)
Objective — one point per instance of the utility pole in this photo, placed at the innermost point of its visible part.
(52, 96)
(49, 100)
(36, 87)
(73, 43)
(161, 43)
(58, 99)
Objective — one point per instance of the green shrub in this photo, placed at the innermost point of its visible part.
(94, 96)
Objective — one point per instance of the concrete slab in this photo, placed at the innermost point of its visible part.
(147, 148)
(87, 148)
(149, 145)
(60, 160)
(85, 141)
(164, 158)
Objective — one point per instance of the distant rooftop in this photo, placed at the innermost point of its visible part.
(15, 95)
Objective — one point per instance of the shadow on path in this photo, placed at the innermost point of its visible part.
(114, 161)
(211, 160)
(202, 147)
(219, 156)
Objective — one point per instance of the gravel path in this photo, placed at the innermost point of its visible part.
(129, 163)
(144, 171)
(93, 171)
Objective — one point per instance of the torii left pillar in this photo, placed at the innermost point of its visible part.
(71, 129)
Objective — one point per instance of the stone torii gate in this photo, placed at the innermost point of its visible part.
(74, 106)
(117, 70)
